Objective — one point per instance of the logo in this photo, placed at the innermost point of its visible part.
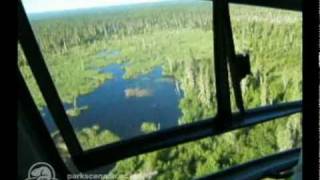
(41, 171)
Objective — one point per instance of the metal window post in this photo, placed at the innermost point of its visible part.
(46, 84)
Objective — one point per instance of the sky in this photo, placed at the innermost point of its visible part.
(37, 6)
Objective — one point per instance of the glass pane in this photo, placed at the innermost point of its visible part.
(129, 69)
(34, 90)
(273, 39)
(33, 87)
(173, 38)
(203, 157)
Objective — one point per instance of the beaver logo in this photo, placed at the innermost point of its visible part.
(41, 171)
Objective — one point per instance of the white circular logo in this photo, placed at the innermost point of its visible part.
(41, 171)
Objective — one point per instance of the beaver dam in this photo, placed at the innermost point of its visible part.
(137, 92)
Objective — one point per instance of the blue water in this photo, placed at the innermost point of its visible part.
(111, 109)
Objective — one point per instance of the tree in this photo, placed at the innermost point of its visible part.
(148, 127)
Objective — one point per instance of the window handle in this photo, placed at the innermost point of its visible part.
(240, 67)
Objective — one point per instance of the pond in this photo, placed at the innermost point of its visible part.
(122, 105)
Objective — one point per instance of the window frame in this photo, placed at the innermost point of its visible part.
(223, 122)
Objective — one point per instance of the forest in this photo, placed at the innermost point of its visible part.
(178, 37)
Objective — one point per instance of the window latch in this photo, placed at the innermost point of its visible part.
(239, 68)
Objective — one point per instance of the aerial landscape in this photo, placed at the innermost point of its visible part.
(130, 70)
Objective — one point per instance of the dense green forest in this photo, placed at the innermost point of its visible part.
(178, 38)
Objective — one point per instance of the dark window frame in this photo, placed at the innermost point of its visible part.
(224, 121)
